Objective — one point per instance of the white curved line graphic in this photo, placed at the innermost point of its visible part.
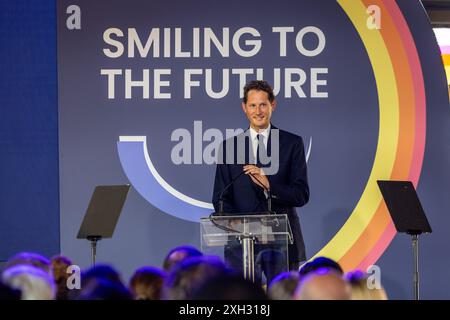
(309, 149)
(163, 183)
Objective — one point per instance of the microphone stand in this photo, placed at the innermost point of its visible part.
(269, 203)
(269, 199)
(225, 189)
(269, 195)
(219, 226)
(212, 215)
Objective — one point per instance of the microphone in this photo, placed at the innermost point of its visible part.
(269, 195)
(226, 188)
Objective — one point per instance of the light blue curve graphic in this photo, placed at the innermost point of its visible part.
(142, 174)
(144, 177)
(308, 153)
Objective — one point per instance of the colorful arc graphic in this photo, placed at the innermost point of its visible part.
(401, 139)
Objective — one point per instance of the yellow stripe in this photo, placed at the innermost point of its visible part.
(446, 59)
(447, 72)
(387, 137)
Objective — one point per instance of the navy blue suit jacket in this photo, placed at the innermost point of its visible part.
(289, 186)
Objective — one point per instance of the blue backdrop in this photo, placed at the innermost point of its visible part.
(29, 201)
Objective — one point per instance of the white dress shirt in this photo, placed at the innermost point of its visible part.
(254, 138)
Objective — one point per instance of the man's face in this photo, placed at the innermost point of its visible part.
(258, 109)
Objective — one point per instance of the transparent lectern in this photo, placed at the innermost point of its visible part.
(260, 241)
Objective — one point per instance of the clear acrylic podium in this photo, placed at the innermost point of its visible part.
(257, 238)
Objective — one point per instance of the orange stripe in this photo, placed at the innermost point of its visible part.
(369, 237)
(402, 71)
(379, 248)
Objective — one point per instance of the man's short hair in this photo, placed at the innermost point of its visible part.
(319, 263)
(258, 85)
(284, 285)
(33, 282)
(189, 275)
(178, 254)
(146, 283)
(29, 258)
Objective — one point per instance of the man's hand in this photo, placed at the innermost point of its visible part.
(256, 173)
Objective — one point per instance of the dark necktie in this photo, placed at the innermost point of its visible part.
(261, 152)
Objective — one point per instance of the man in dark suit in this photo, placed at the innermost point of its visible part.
(285, 176)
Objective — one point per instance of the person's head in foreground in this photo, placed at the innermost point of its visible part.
(283, 286)
(320, 263)
(323, 284)
(146, 283)
(363, 288)
(102, 282)
(178, 254)
(190, 275)
(33, 282)
(29, 258)
(59, 267)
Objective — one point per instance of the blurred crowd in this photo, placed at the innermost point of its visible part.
(186, 274)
